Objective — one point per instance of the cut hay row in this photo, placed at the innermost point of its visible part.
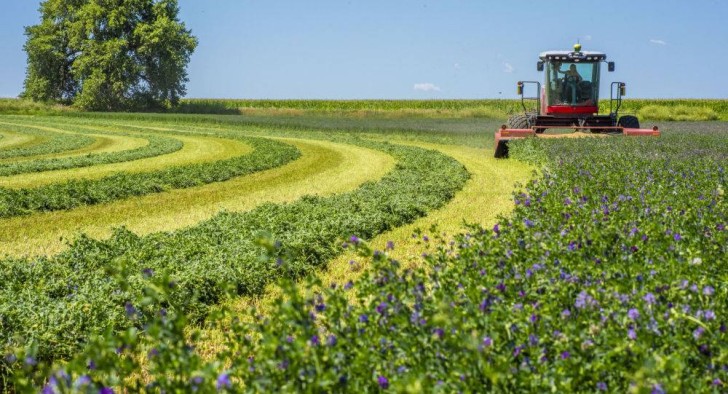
(324, 168)
(40, 142)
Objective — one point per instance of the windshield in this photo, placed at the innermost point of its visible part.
(572, 83)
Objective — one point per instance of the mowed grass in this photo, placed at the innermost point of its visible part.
(196, 149)
(15, 140)
(104, 143)
(325, 168)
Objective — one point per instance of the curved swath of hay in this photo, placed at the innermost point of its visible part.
(40, 142)
(111, 146)
(324, 168)
(197, 149)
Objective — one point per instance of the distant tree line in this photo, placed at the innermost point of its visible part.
(108, 54)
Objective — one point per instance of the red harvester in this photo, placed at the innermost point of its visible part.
(569, 99)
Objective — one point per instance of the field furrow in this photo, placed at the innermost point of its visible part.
(324, 168)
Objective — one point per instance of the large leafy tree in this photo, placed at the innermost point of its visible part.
(108, 54)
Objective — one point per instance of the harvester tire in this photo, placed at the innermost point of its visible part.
(629, 122)
(519, 121)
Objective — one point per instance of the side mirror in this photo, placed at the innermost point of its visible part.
(520, 88)
(622, 89)
(539, 66)
(610, 66)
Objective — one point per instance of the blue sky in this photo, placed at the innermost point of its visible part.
(353, 49)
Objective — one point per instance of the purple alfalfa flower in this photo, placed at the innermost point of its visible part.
(349, 285)
(708, 290)
(565, 313)
(382, 308)
(197, 380)
(148, 272)
(496, 228)
(657, 389)
(363, 318)
(694, 288)
(532, 340)
(106, 390)
(631, 334)
(315, 341)
(517, 351)
(572, 246)
(83, 380)
(383, 382)
(698, 332)
(601, 386)
(633, 314)
(533, 318)
(130, 310)
(439, 332)
(633, 231)
(223, 381)
(320, 307)
(717, 382)
(390, 245)
(709, 315)
(720, 227)
(153, 353)
(649, 298)
(30, 361)
(677, 237)
(567, 201)
(487, 341)
(528, 223)
(331, 340)
(584, 300)
(501, 287)
(354, 239)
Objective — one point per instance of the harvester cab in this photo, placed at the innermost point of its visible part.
(569, 99)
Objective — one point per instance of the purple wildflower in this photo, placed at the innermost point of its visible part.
(528, 223)
(601, 386)
(382, 308)
(709, 315)
(565, 313)
(698, 332)
(106, 390)
(584, 300)
(565, 354)
(331, 340)
(633, 314)
(130, 310)
(354, 239)
(572, 246)
(717, 382)
(657, 389)
(223, 381)
(320, 307)
(708, 290)
(348, 285)
(390, 245)
(677, 237)
(363, 318)
(30, 361)
(649, 298)
(83, 380)
(631, 334)
(148, 272)
(383, 382)
(487, 342)
(496, 228)
(315, 340)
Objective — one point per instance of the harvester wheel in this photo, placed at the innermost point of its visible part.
(519, 121)
(629, 122)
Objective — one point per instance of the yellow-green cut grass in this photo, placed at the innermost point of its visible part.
(196, 149)
(485, 196)
(324, 168)
(103, 143)
(15, 140)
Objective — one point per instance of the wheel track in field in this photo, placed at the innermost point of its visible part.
(325, 168)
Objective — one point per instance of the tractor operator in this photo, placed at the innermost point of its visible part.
(571, 74)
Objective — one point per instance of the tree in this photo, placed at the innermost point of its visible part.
(108, 54)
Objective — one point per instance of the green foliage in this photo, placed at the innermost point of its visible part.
(677, 113)
(103, 55)
(53, 305)
(610, 274)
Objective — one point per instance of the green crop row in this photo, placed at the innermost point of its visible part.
(158, 145)
(73, 193)
(53, 305)
(611, 274)
(48, 142)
